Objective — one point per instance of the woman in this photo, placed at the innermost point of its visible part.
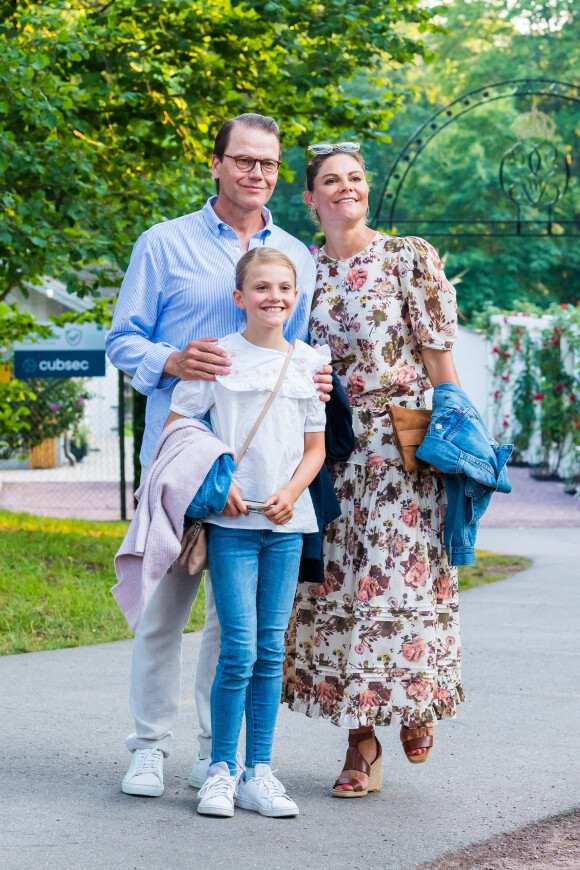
(380, 637)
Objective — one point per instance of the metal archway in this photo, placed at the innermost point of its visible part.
(449, 114)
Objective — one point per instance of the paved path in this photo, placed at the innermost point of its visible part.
(510, 757)
(80, 501)
(532, 504)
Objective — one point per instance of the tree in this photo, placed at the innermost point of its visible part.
(108, 111)
(457, 175)
(490, 41)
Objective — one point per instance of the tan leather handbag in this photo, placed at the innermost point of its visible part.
(409, 429)
(194, 540)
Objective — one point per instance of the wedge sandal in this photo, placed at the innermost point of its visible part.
(355, 761)
(421, 740)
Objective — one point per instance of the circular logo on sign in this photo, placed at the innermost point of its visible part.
(73, 336)
(29, 365)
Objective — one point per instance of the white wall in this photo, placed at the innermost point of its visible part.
(470, 353)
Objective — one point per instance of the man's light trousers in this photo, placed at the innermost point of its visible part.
(156, 665)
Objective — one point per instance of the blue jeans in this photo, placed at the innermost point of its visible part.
(253, 575)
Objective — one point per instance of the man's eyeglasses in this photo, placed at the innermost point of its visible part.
(329, 147)
(246, 164)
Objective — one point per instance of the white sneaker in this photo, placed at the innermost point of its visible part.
(266, 794)
(145, 774)
(201, 766)
(216, 797)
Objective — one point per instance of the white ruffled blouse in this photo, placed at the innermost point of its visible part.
(234, 403)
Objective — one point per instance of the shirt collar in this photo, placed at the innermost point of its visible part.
(217, 226)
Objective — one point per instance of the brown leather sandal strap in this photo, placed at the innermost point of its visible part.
(355, 761)
(425, 742)
(354, 783)
(359, 736)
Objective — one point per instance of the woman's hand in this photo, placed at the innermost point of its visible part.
(235, 503)
(280, 506)
(323, 381)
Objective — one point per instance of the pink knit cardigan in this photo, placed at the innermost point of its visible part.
(183, 457)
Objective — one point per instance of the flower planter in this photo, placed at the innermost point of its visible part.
(543, 472)
(79, 452)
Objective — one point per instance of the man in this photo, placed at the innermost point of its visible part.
(177, 290)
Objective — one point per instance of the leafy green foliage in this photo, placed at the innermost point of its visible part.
(539, 377)
(456, 177)
(560, 425)
(525, 388)
(34, 409)
(108, 110)
(16, 397)
(51, 407)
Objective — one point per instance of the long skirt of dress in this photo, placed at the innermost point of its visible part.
(381, 635)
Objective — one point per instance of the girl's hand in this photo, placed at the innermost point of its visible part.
(281, 507)
(235, 503)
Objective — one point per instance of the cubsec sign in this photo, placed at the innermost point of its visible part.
(77, 350)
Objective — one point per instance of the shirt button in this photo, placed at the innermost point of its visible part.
(438, 425)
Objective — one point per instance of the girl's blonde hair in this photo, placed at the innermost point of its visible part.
(257, 256)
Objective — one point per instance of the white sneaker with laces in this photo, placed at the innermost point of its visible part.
(265, 794)
(201, 766)
(145, 774)
(216, 797)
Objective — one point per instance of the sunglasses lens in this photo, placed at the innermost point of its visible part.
(320, 148)
(328, 147)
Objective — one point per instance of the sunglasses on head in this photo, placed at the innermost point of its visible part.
(329, 147)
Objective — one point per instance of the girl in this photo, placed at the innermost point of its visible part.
(254, 554)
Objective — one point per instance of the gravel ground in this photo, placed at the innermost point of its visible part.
(553, 844)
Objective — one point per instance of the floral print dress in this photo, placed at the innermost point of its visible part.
(381, 635)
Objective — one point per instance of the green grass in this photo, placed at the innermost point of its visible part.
(56, 578)
(490, 567)
(55, 584)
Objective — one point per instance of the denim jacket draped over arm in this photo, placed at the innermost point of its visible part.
(473, 464)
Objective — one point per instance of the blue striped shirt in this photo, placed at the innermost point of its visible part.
(178, 288)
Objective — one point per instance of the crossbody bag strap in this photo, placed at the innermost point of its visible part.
(267, 405)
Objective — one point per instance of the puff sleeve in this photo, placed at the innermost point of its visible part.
(193, 398)
(316, 409)
(430, 296)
